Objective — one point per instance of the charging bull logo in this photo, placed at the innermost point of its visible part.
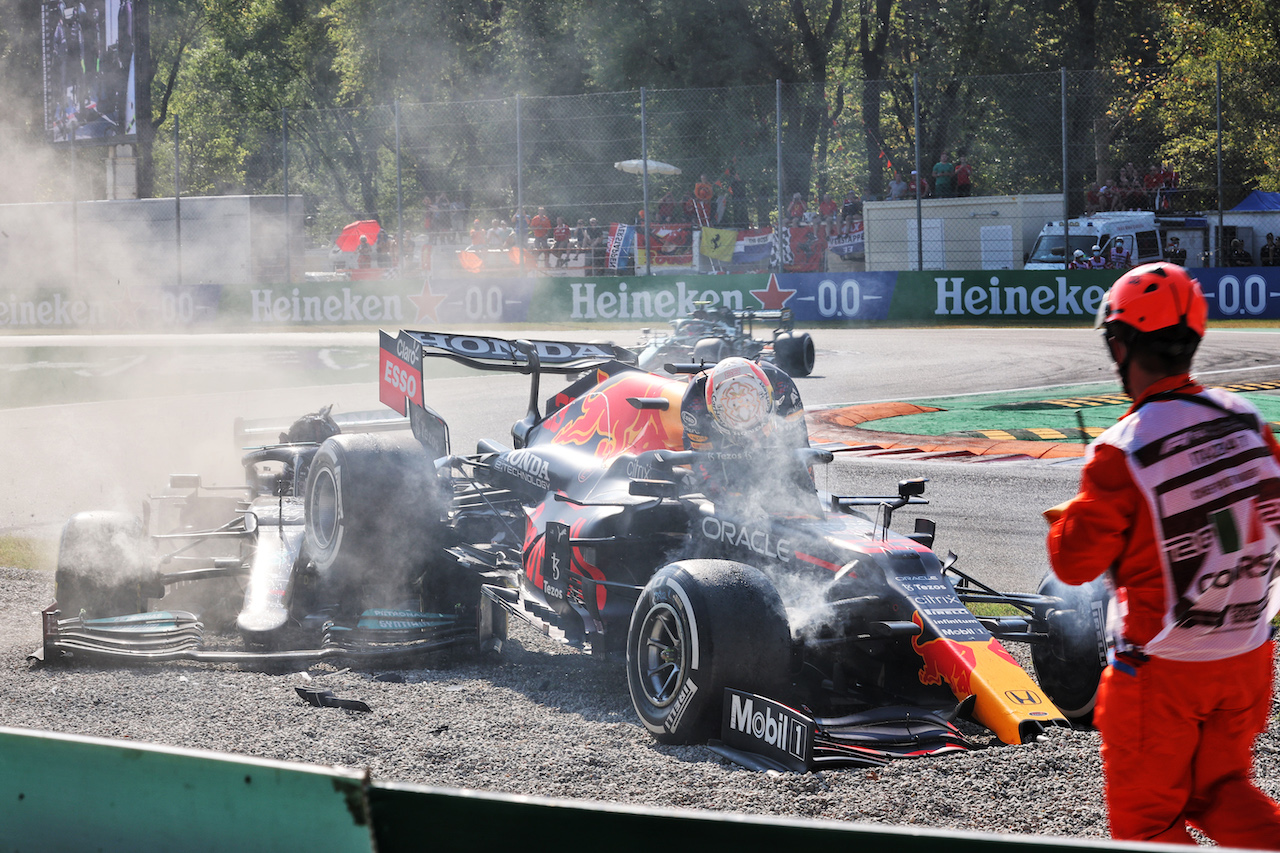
(535, 555)
(946, 662)
(605, 423)
(1006, 696)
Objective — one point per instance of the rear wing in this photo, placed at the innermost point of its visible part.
(402, 358)
(266, 431)
(777, 315)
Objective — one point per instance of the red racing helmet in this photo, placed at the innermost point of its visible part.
(1155, 298)
(739, 395)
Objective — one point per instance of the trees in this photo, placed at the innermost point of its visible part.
(987, 71)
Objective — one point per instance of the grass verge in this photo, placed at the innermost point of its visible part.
(21, 552)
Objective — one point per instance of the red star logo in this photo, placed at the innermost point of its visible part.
(426, 303)
(772, 297)
(128, 310)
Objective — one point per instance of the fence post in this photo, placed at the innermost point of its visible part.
(75, 216)
(521, 237)
(284, 164)
(644, 164)
(399, 196)
(177, 198)
(1066, 180)
(1219, 254)
(777, 99)
(915, 108)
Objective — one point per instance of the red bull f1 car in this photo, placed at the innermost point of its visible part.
(793, 628)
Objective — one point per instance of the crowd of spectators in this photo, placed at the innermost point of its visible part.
(1131, 190)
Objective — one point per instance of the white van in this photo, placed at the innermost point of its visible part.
(1138, 232)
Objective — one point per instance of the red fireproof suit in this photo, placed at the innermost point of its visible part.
(1177, 734)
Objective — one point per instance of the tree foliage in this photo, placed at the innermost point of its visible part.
(351, 77)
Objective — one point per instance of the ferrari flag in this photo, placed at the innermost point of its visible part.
(718, 244)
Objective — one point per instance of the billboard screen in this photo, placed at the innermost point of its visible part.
(90, 69)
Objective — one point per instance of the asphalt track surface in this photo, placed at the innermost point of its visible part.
(98, 422)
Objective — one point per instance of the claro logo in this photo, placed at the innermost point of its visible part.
(761, 542)
(408, 351)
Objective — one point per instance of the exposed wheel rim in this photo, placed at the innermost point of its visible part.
(324, 508)
(662, 656)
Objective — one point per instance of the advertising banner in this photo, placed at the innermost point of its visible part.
(811, 296)
(386, 302)
(1008, 297)
(144, 308)
(977, 297)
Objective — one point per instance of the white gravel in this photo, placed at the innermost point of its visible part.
(542, 720)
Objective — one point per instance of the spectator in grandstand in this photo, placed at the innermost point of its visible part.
(1174, 253)
(920, 181)
(1269, 255)
(944, 177)
(827, 210)
(497, 233)
(1109, 195)
(594, 248)
(796, 210)
(703, 193)
(667, 208)
(852, 206)
(540, 228)
(519, 226)
(441, 210)
(1129, 188)
(383, 248)
(405, 257)
(561, 234)
(579, 239)
(1093, 198)
(964, 177)
(1152, 181)
(897, 187)
(364, 254)
(690, 208)
(457, 221)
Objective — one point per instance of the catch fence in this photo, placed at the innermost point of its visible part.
(477, 173)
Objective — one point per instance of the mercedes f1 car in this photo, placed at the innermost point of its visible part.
(794, 625)
(714, 332)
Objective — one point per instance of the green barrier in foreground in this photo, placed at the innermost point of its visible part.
(63, 792)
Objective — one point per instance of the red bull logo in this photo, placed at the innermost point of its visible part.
(1006, 695)
(946, 662)
(603, 421)
(535, 546)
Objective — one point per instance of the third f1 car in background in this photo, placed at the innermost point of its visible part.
(713, 333)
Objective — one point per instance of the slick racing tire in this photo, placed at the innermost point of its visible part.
(1069, 666)
(373, 509)
(701, 626)
(708, 351)
(794, 353)
(106, 566)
